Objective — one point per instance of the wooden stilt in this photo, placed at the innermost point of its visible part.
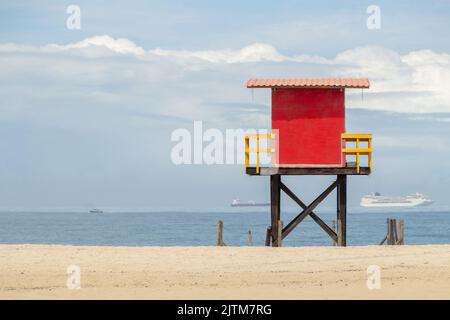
(342, 210)
(280, 233)
(275, 206)
(333, 227)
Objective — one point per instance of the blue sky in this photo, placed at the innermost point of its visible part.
(322, 27)
(86, 115)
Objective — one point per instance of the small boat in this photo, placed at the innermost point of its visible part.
(95, 211)
(238, 203)
(376, 200)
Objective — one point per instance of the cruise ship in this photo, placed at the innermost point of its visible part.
(238, 203)
(376, 200)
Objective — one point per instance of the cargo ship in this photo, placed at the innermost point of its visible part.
(238, 203)
(95, 211)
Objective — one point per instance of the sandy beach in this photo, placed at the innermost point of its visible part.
(407, 272)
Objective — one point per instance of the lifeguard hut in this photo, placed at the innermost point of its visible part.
(309, 138)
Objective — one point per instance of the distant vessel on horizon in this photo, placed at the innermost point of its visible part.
(95, 211)
(376, 200)
(238, 203)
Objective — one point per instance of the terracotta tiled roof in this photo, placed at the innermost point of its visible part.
(309, 83)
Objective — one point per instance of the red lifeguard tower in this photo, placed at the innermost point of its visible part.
(309, 138)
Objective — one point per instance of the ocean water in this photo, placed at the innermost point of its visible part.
(200, 228)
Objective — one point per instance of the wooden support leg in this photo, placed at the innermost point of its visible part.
(342, 210)
(280, 233)
(275, 206)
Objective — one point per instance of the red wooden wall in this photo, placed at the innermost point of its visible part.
(310, 123)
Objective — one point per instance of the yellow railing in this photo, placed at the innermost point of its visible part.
(257, 150)
(358, 151)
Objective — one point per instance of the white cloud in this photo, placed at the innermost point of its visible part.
(100, 111)
(416, 82)
(256, 52)
(120, 45)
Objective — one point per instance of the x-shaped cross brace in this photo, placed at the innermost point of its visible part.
(308, 210)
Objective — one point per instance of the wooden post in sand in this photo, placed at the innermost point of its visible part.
(395, 232)
(268, 236)
(387, 234)
(400, 227)
(392, 232)
(250, 238)
(220, 242)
